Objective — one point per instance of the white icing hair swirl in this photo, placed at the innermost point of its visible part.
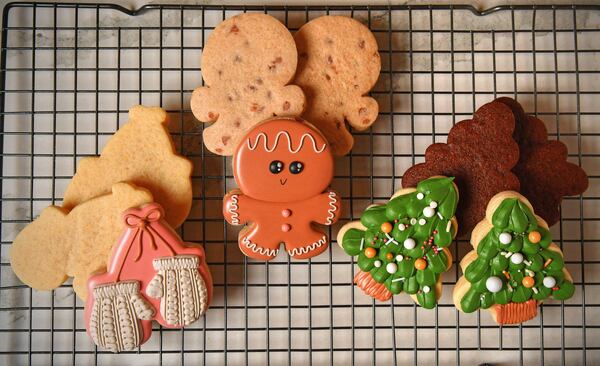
(305, 136)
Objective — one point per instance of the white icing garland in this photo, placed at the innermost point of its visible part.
(332, 208)
(309, 248)
(257, 249)
(390, 239)
(233, 210)
(289, 139)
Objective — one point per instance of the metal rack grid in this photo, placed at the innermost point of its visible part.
(69, 72)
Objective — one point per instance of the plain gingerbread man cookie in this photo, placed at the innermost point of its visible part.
(61, 244)
(283, 168)
(338, 63)
(247, 63)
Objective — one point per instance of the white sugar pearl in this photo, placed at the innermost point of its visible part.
(505, 238)
(549, 282)
(422, 222)
(399, 258)
(413, 221)
(516, 258)
(493, 284)
(426, 289)
(377, 264)
(428, 211)
(420, 196)
(391, 268)
(401, 227)
(410, 243)
(433, 204)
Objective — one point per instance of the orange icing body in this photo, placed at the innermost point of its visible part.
(283, 168)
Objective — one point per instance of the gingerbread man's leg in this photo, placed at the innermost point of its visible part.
(306, 243)
(257, 243)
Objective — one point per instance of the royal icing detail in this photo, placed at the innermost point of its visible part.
(152, 275)
(403, 246)
(283, 172)
(332, 208)
(515, 261)
(233, 208)
(305, 136)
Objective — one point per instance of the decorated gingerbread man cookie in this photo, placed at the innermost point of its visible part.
(283, 168)
(247, 63)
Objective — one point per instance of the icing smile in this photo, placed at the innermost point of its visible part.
(283, 181)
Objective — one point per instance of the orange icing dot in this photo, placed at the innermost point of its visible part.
(528, 282)
(386, 227)
(389, 256)
(420, 264)
(370, 252)
(534, 237)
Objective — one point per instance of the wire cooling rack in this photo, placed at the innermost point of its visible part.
(70, 72)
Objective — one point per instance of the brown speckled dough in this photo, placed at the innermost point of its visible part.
(545, 174)
(338, 63)
(480, 154)
(246, 64)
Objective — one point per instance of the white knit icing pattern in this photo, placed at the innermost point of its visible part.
(114, 323)
(257, 249)
(235, 217)
(181, 289)
(332, 208)
(308, 248)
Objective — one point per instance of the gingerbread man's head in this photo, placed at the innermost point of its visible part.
(283, 160)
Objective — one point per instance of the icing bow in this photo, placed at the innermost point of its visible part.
(142, 223)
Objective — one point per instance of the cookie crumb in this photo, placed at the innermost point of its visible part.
(361, 44)
(225, 139)
(327, 77)
(362, 110)
(286, 105)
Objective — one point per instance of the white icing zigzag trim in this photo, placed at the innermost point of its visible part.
(289, 139)
(332, 208)
(308, 248)
(256, 249)
(235, 217)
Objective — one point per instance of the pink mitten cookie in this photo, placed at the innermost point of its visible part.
(152, 275)
(283, 168)
(338, 64)
(247, 63)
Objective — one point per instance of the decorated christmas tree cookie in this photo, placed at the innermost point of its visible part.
(402, 246)
(514, 266)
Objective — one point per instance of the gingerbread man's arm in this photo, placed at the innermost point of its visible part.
(237, 207)
(327, 207)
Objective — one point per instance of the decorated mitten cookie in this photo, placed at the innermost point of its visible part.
(338, 64)
(543, 170)
(152, 275)
(514, 266)
(62, 243)
(403, 245)
(247, 62)
(480, 154)
(143, 153)
(283, 168)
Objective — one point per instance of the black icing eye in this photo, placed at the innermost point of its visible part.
(276, 167)
(296, 167)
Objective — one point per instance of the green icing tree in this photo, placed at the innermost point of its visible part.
(402, 246)
(514, 265)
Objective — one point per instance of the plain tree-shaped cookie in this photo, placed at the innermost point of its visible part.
(480, 154)
(62, 243)
(140, 152)
(338, 65)
(247, 62)
(545, 174)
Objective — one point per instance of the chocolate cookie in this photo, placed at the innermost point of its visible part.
(480, 154)
(545, 175)
(247, 63)
(338, 64)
